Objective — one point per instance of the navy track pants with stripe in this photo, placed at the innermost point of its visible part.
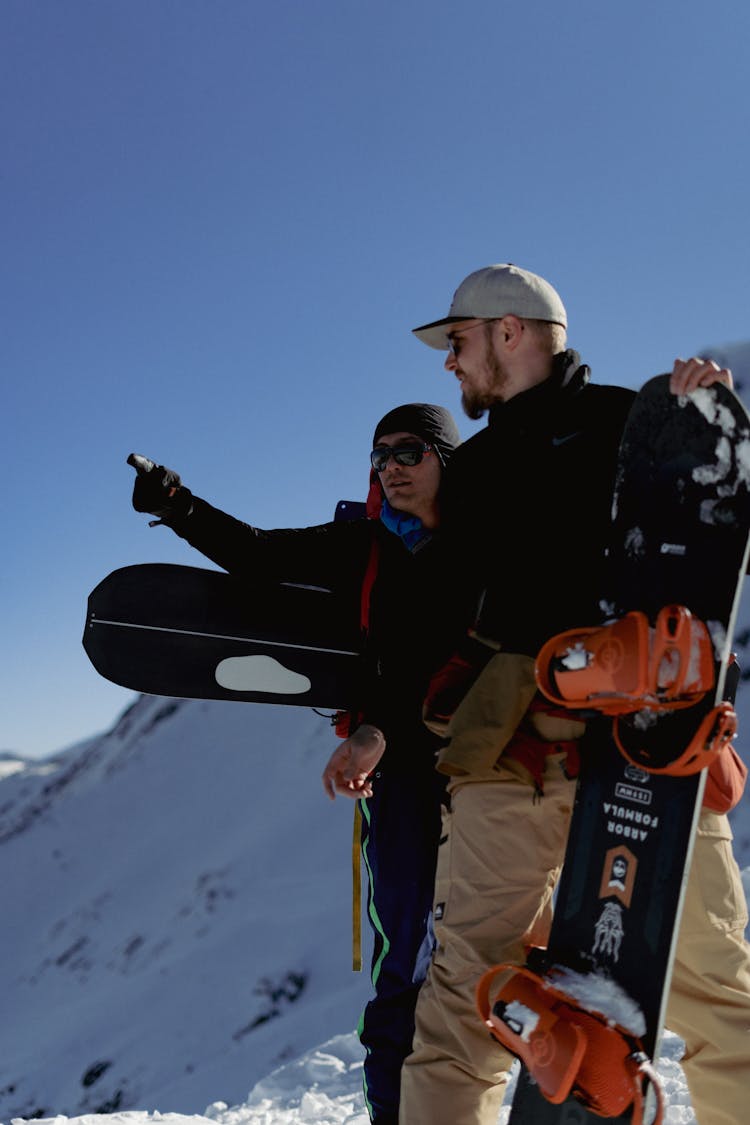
(400, 835)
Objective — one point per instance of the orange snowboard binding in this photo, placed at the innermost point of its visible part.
(635, 673)
(627, 666)
(567, 1049)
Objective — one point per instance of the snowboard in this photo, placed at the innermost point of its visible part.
(680, 522)
(193, 633)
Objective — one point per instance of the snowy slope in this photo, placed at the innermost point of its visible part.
(324, 1087)
(176, 911)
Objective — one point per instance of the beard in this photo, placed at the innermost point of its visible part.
(472, 405)
(476, 401)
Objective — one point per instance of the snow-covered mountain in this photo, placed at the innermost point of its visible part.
(736, 357)
(176, 910)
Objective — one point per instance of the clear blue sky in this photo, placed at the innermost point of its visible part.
(221, 219)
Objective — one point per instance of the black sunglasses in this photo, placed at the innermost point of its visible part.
(454, 341)
(401, 454)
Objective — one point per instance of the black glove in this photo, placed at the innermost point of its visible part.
(159, 491)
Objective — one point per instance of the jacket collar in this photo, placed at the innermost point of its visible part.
(567, 377)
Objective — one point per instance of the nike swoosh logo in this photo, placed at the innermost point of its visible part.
(566, 437)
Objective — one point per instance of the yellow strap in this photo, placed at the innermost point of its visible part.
(357, 891)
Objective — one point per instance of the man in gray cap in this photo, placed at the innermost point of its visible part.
(525, 511)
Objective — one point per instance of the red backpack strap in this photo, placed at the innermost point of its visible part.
(371, 571)
(374, 501)
(344, 722)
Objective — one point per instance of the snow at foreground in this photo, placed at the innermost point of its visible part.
(324, 1087)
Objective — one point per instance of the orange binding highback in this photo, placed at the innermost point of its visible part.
(568, 1050)
(627, 666)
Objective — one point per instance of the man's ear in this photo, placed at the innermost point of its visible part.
(510, 331)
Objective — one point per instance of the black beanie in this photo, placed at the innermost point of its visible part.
(434, 424)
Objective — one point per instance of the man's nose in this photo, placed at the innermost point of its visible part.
(450, 362)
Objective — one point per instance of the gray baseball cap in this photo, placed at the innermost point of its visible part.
(493, 292)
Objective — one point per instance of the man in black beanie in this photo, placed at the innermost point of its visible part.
(392, 568)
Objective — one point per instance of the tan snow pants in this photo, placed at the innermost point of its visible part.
(709, 1001)
(498, 863)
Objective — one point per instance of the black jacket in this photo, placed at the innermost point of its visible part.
(526, 505)
(412, 627)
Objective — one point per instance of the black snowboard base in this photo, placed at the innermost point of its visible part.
(194, 633)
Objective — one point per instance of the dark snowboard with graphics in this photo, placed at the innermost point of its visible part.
(681, 517)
